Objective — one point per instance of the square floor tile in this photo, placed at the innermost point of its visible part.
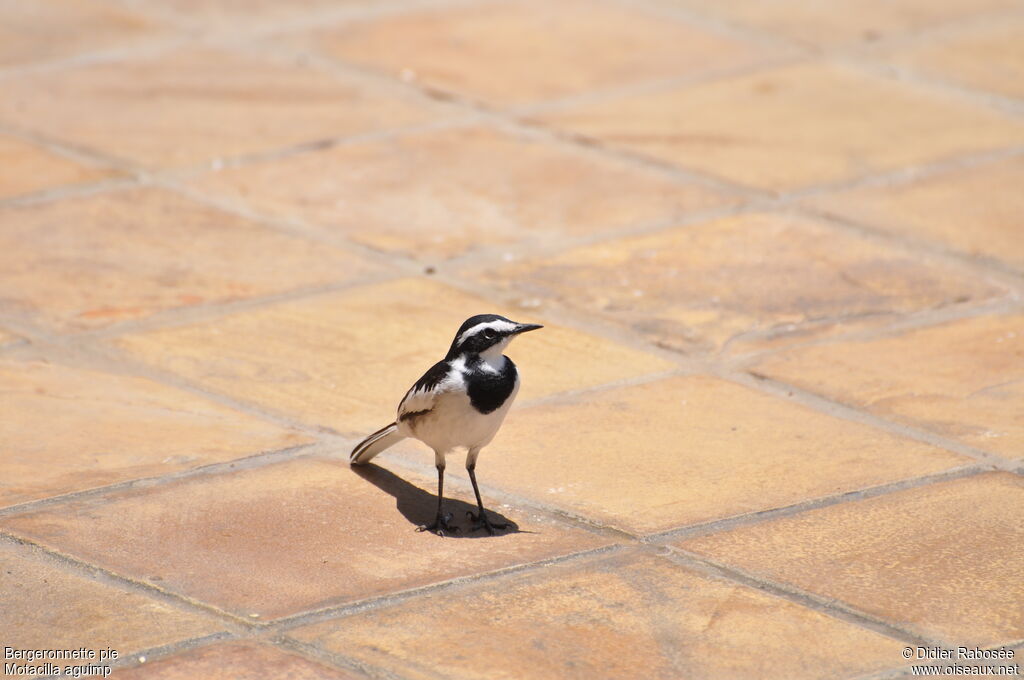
(728, 283)
(345, 360)
(189, 106)
(796, 126)
(942, 560)
(289, 537)
(443, 193)
(68, 429)
(621, 616)
(843, 21)
(233, 661)
(520, 51)
(47, 605)
(26, 168)
(963, 380)
(45, 30)
(989, 58)
(686, 450)
(91, 261)
(973, 210)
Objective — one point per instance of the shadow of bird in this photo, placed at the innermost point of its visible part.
(419, 506)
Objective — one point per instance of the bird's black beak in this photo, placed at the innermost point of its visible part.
(523, 327)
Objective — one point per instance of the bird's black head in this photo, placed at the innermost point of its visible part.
(486, 332)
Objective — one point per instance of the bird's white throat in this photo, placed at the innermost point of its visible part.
(494, 358)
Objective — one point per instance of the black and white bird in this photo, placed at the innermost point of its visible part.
(459, 403)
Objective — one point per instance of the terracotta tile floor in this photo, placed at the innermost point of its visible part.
(773, 426)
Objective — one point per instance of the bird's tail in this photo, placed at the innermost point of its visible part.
(374, 444)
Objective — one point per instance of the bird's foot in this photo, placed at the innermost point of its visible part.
(440, 525)
(481, 522)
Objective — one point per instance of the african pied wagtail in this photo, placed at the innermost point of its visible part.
(460, 402)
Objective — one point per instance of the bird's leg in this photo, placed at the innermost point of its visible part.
(481, 520)
(441, 521)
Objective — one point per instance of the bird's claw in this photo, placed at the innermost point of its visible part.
(440, 525)
(481, 521)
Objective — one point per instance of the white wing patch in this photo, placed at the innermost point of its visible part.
(423, 399)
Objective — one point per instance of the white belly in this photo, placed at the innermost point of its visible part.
(454, 423)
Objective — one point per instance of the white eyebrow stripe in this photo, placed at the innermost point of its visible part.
(497, 324)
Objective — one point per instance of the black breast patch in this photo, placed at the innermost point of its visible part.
(488, 391)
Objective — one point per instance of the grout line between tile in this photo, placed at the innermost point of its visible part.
(838, 409)
(1002, 274)
(905, 175)
(111, 359)
(157, 46)
(74, 151)
(929, 318)
(547, 246)
(249, 462)
(386, 261)
(347, 663)
(307, 147)
(168, 319)
(754, 518)
(151, 654)
(285, 624)
(945, 88)
(106, 576)
(831, 607)
(67, 191)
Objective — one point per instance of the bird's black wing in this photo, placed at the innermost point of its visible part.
(420, 397)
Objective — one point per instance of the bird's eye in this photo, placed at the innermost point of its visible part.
(490, 333)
